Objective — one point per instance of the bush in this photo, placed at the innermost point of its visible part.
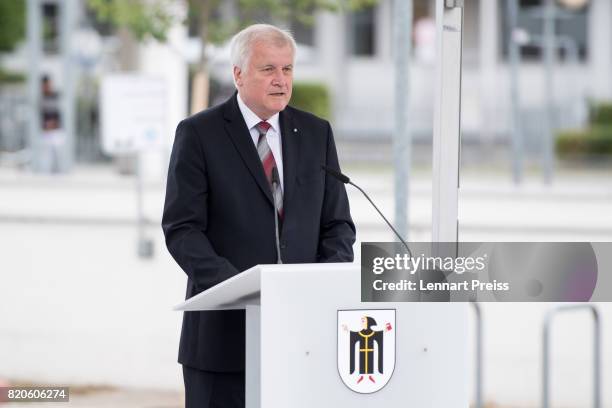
(601, 114)
(8, 77)
(595, 141)
(312, 97)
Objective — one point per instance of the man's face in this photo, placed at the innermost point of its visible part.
(265, 84)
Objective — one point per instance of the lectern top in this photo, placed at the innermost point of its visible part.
(245, 288)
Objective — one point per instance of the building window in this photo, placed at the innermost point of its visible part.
(570, 29)
(363, 32)
(50, 21)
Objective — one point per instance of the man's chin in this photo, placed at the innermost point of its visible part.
(277, 106)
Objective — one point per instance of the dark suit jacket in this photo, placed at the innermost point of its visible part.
(219, 216)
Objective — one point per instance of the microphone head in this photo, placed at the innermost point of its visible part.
(336, 174)
(275, 176)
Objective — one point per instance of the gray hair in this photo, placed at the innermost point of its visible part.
(243, 42)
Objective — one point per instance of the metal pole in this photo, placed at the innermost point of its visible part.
(596, 359)
(596, 352)
(447, 121)
(145, 246)
(545, 362)
(572, 58)
(549, 61)
(515, 120)
(478, 315)
(568, 44)
(139, 201)
(67, 12)
(402, 28)
(34, 36)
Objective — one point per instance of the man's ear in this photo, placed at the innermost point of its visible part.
(237, 76)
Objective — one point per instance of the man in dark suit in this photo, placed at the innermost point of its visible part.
(229, 166)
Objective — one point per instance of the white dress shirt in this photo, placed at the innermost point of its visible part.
(273, 137)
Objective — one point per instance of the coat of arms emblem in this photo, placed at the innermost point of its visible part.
(366, 348)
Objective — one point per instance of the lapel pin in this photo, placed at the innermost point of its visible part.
(294, 130)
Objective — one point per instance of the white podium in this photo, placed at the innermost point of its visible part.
(300, 318)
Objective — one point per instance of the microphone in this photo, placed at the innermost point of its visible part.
(344, 179)
(275, 190)
(337, 175)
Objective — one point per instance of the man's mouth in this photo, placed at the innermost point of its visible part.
(278, 94)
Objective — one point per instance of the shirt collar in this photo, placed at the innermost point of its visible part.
(251, 119)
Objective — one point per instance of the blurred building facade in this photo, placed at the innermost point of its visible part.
(360, 75)
(352, 53)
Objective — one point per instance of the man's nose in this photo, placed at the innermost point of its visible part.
(279, 78)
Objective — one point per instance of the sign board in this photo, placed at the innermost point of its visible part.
(133, 113)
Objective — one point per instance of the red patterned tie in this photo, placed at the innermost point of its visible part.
(267, 159)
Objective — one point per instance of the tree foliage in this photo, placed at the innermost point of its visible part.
(301, 10)
(252, 11)
(153, 18)
(12, 23)
(143, 18)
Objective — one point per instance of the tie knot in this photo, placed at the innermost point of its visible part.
(263, 127)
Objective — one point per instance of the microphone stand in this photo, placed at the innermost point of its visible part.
(344, 179)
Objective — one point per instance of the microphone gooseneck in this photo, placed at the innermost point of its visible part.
(344, 179)
(275, 187)
(337, 175)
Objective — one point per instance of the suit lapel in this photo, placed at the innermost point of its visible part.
(241, 138)
(290, 134)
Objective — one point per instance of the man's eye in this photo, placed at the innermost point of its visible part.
(288, 69)
(268, 69)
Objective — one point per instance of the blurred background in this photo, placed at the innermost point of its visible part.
(92, 90)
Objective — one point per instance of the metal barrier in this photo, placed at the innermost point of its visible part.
(596, 352)
(478, 368)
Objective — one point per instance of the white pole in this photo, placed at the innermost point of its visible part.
(514, 54)
(447, 121)
(34, 24)
(402, 28)
(68, 16)
(550, 50)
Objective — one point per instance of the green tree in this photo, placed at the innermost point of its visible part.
(215, 31)
(152, 18)
(12, 23)
(143, 18)
(12, 31)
